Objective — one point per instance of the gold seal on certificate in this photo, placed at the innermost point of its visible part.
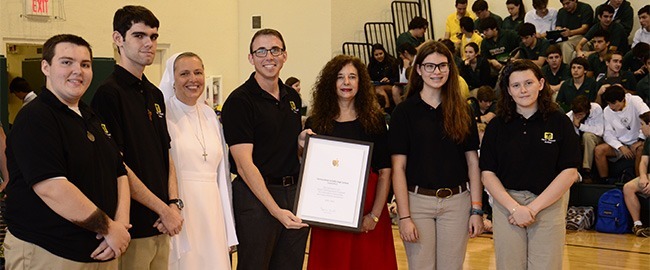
(331, 187)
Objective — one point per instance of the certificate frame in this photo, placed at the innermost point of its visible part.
(331, 188)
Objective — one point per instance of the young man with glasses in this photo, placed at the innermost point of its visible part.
(261, 120)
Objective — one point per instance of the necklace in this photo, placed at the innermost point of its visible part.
(202, 139)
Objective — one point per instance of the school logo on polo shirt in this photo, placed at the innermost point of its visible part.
(158, 110)
(293, 106)
(548, 138)
(106, 130)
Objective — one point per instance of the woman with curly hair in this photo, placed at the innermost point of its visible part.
(345, 106)
(434, 142)
(529, 157)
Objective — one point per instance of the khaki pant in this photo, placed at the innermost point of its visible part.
(589, 142)
(538, 246)
(442, 226)
(147, 253)
(569, 48)
(21, 255)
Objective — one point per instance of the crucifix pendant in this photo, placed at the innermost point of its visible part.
(205, 156)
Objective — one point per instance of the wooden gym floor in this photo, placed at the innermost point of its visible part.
(583, 250)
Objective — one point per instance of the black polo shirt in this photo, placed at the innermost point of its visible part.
(252, 115)
(134, 111)
(583, 14)
(561, 75)
(49, 140)
(433, 160)
(625, 78)
(527, 154)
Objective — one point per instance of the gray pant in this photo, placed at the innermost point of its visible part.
(443, 228)
(589, 142)
(538, 246)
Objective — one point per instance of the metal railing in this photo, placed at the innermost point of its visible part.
(358, 49)
(382, 33)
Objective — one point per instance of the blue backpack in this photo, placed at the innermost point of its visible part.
(612, 214)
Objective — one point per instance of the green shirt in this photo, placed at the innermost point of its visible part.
(406, 37)
(561, 74)
(477, 22)
(617, 36)
(568, 92)
(596, 65)
(646, 148)
(538, 50)
(500, 49)
(625, 78)
(583, 14)
(624, 15)
(510, 24)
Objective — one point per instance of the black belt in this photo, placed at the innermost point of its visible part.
(440, 193)
(284, 181)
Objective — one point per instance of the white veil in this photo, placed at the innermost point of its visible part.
(167, 81)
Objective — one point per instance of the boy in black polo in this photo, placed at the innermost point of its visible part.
(67, 202)
(577, 85)
(532, 48)
(497, 44)
(556, 72)
(134, 111)
(597, 67)
(574, 18)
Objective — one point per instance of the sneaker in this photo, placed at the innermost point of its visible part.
(640, 231)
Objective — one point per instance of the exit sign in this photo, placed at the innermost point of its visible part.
(38, 7)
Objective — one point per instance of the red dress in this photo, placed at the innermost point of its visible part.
(331, 249)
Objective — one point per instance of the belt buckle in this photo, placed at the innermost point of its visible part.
(444, 189)
(287, 181)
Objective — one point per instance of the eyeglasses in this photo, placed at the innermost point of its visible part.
(262, 52)
(431, 67)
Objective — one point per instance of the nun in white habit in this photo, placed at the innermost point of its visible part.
(201, 162)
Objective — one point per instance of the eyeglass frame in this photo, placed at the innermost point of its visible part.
(266, 51)
(436, 66)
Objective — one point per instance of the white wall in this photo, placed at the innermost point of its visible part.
(206, 27)
(306, 29)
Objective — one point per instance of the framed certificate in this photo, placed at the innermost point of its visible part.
(332, 184)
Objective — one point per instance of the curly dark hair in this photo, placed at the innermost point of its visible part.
(457, 118)
(325, 100)
(506, 107)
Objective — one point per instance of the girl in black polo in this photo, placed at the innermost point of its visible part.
(433, 141)
(529, 158)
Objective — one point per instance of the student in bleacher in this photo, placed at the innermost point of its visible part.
(406, 53)
(481, 9)
(643, 87)
(383, 72)
(517, 12)
(597, 66)
(452, 25)
(529, 157)
(475, 69)
(556, 72)
(497, 44)
(633, 60)
(641, 184)
(643, 34)
(532, 48)
(623, 13)
(415, 34)
(588, 123)
(578, 85)
(617, 36)
(622, 136)
(574, 18)
(542, 17)
(615, 75)
(469, 34)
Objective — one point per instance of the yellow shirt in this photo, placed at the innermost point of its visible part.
(476, 38)
(464, 88)
(452, 26)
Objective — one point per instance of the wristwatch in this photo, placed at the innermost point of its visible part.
(178, 202)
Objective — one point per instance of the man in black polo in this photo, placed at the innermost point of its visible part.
(497, 44)
(532, 48)
(134, 111)
(68, 198)
(261, 121)
(574, 18)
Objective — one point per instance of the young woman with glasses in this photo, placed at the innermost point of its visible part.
(434, 159)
